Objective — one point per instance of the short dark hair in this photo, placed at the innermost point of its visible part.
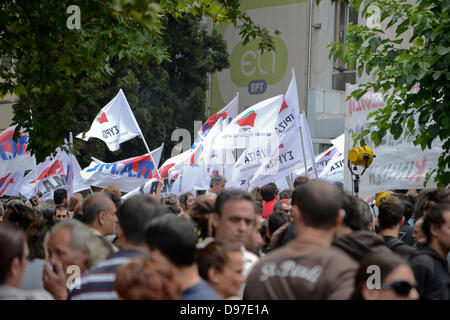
(232, 194)
(93, 205)
(269, 191)
(435, 216)
(175, 237)
(60, 208)
(59, 195)
(276, 220)
(12, 240)
(135, 214)
(216, 179)
(319, 202)
(300, 180)
(286, 194)
(353, 218)
(408, 206)
(390, 213)
(428, 198)
(278, 206)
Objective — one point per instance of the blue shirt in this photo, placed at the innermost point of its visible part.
(200, 291)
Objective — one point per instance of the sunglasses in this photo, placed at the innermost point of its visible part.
(402, 288)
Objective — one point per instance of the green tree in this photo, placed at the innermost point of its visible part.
(52, 64)
(422, 60)
(162, 96)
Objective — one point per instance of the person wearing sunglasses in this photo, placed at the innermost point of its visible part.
(383, 276)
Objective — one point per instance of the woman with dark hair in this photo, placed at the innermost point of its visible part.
(221, 264)
(201, 214)
(147, 280)
(384, 276)
(19, 214)
(256, 193)
(186, 201)
(13, 261)
(37, 235)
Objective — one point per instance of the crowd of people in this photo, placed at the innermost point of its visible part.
(312, 242)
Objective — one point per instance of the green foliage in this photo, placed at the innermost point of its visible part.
(52, 65)
(412, 66)
(162, 96)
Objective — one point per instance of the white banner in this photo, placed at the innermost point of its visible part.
(398, 164)
(52, 174)
(114, 124)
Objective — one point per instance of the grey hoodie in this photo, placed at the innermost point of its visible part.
(360, 243)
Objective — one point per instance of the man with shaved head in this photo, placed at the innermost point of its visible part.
(307, 267)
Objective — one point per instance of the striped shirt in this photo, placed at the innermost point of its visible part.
(97, 283)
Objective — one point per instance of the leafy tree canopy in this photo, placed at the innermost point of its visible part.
(416, 55)
(52, 65)
(162, 96)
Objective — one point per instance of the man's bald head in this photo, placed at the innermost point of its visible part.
(319, 203)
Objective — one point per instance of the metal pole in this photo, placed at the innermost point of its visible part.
(149, 153)
(303, 151)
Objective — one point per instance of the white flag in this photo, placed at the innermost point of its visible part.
(114, 124)
(14, 156)
(334, 171)
(54, 173)
(225, 115)
(11, 183)
(126, 174)
(254, 126)
(282, 162)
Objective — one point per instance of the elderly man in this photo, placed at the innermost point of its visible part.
(217, 185)
(68, 249)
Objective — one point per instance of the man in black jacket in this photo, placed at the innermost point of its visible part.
(429, 262)
(390, 219)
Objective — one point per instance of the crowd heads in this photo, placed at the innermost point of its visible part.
(313, 241)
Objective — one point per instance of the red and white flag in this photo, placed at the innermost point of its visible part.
(114, 124)
(60, 171)
(126, 174)
(11, 183)
(14, 156)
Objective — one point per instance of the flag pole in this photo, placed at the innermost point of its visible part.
(35, 175)
(142, 136)
(34, 162)
(149, 153)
